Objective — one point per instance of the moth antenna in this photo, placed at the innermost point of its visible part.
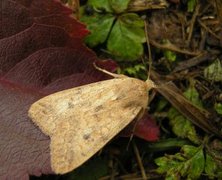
(132, 135)
(139, 116)
(109, 73)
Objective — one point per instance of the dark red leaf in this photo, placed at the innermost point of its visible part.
(24, 148)
(34, 59)
(145, 128)
(44, 8)
(74, 29)
(18, 15)
(14, 18)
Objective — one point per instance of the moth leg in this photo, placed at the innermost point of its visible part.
(137, 118)
(109, 73)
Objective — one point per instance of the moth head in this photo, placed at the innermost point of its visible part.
(150, 84)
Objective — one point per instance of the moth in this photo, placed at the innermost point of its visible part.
(81, 120)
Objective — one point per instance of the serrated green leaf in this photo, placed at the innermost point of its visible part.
(132, 20)
(181, 126)
(119, 6)
(192, 94)
(165, 163)
(101, 5)
(172, 177)
(218, 108)
(214, 71)
(210, 167)
(195, 165)
(125, 40)
(188, 163)
(99, 26)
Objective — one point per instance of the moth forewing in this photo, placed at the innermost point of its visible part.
(80, 121)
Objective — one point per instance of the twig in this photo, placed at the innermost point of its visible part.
(172, 47)
(194, 61)
(208, 30)
(149, 49)
(141, 5)
(199, 116)
(136, 151)
(193, 20)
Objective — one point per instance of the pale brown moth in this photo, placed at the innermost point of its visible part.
(81, 120)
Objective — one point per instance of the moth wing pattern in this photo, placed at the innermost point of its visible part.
(81, 120)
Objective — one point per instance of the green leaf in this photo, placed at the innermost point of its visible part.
(191, 5)
(119, 6)
(125, 40)
(165, 145)
(170, 55)
(181, 126)
(210, 167)
(218, 108)
(99, 26)
(138, 71)
(193, 96)
(101, 5)
(195, 165)
(214, 71)
(188, 163)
